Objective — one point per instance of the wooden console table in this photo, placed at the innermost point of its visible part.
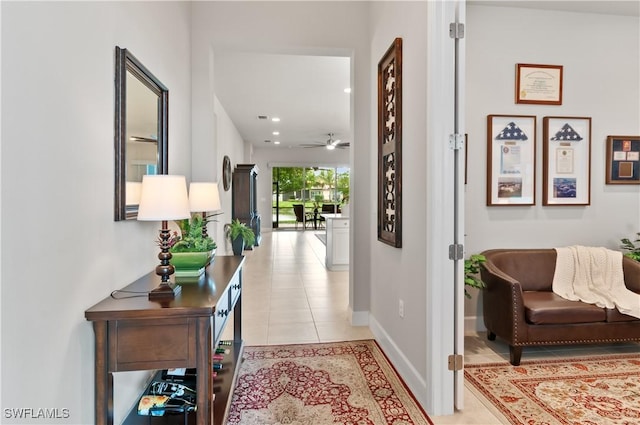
(133, 333)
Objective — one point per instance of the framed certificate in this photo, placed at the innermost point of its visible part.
(567, 157)
(623, 160)
(539, 84)
(511, 160)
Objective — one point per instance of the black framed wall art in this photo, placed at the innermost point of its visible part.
(390, 145)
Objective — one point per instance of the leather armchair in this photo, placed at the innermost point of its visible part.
(521, 308)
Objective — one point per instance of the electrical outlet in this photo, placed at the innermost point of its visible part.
(401, 308)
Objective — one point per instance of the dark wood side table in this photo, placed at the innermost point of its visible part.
(133, 333)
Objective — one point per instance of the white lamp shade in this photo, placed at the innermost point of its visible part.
(204, 197)
(163, 197)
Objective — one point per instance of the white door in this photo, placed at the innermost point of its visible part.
(445, 206)
(457, 32)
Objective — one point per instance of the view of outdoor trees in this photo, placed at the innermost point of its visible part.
(311, 187)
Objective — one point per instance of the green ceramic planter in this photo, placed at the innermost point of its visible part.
(190, 263)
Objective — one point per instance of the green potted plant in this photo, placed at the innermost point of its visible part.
(471, 269)
(239, 235)
(192, 250)
(633, 251)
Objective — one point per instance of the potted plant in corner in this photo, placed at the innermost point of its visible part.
(239, 235)
(191, 251)
(471, 269)
(633, 251)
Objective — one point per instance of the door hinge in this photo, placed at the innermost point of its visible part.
(456, 362)
(456, 141)
(456, 30)
(456, 252)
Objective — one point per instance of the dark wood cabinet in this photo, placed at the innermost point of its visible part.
(133, 333)
(245, 197)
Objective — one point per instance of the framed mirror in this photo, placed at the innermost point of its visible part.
(141, 131)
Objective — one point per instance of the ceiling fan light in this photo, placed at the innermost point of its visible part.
(330, 146)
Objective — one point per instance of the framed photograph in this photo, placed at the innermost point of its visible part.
(567, 161)
(390, 145)
(511, 160)
(623, 160)
(539, 84)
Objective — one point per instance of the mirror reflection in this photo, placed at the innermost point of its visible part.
(141, 131)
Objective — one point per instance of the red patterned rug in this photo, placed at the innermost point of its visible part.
(579, 391)
(317, 384)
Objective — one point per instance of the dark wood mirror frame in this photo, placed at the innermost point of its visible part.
(126, 62)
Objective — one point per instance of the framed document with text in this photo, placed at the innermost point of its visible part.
(511, 160)
(623, 160)
(539, 84)
(566, 154)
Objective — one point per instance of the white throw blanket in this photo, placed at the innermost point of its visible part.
(594, 275)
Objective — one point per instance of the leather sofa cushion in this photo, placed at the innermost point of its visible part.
(613, 315)
(547, 308)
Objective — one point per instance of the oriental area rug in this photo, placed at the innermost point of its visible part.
(578, 391)
(317, 384)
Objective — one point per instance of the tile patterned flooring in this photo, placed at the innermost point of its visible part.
(289, 297)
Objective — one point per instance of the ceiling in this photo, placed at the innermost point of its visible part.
(307, 91)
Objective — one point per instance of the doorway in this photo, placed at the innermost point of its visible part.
(302, 194)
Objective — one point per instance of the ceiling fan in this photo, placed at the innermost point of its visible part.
(330, 144)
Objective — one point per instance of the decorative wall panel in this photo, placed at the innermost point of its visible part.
(390, 146)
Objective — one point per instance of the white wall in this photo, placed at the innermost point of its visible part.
(400, 273)
(61, 250)
(228, 142)
(407, 274)
(601, 60)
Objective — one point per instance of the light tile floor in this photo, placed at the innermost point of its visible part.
(290, 297)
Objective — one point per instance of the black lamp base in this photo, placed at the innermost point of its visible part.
(165, 292)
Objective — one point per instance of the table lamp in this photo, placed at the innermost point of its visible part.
(162, 198)
(203, 197)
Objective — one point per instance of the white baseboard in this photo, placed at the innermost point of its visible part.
(405, 369)
(473, 324)
(359, 318)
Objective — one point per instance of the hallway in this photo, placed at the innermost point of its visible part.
(290, 297)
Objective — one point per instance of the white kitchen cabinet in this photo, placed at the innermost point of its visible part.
(337, 256)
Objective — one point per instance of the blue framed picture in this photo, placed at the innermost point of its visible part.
(623, 160)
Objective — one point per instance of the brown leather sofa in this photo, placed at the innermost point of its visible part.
(521, 308)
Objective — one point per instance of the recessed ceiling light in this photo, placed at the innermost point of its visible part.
(275, 119)
(277, 142)
(347, 90)
(276, 133)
